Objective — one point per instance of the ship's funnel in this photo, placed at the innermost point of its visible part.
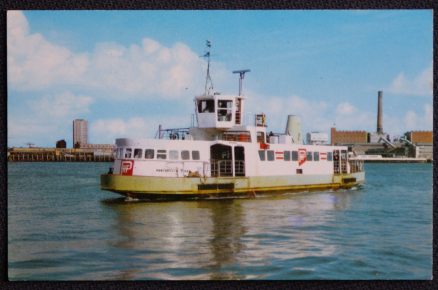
(379, 113)
(293, 128)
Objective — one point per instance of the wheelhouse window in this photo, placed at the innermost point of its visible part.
(316, 156)
(128, 153)
(138, 153)
(206, 106)
(119, 152)
(185, 155)
(149, 154)
(173, 155)
(309, 156)
(271, 156)
(195, 155)
(224, 111)
(161, 154)
(294, 155)
(262, 155)
(286, 155)
(329, 156)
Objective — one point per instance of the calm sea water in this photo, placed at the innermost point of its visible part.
(61, 226)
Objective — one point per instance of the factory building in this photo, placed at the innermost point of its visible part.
(420, 136)
(348, 137)
(422, 143)
(80, 133)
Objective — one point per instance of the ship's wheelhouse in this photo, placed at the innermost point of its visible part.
(220, 112)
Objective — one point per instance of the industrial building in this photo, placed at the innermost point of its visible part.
(348, 137)
(417, 144)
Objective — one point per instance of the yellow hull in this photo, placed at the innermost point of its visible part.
(191, 187)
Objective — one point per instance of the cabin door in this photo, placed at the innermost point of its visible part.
(336, 162)
(239, 161)
(344, 161)
(221, 160)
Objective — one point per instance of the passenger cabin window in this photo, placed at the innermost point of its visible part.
(286, 155)
(206, 106)
(185, 155)
(316, 156)
(138, 153)
(262, 155)
(149, 154)
(224, 110)
(119, 152)
(329, 156)
(173, 155)
(161, 154)
(128, 153)
(195, 155)
(271, 156)
(309, 156)
(294, 155)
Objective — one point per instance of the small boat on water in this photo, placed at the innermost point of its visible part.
(223, 157)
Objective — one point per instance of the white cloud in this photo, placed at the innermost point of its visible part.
(117, 71)
(61, 106)
(420, 85)
(312, 113)
(345, 108)
(413, 121)
(34, 62)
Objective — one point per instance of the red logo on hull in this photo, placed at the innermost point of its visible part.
(126, 167)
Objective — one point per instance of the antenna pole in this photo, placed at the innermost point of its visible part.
(241, 77)
(208, 77)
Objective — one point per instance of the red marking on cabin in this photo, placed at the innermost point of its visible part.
(126, 167)
(323, 156)
(302, 156)
(279, 155)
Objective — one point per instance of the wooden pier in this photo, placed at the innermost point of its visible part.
(59, 155)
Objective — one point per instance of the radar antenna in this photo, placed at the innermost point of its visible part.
(242, 76)
(208, 81)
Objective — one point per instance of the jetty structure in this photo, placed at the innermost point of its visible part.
(222, 157)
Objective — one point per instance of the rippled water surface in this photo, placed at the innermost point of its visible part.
(61, 226)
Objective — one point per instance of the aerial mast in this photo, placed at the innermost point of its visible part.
(241, 77)
(208, 81)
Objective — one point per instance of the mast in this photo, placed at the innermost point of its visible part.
(241, 77)
(208, 81)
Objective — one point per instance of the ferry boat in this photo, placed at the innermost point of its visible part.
(222, 157)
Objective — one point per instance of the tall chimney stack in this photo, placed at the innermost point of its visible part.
(379, 113)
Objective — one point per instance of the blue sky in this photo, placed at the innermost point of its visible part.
(128, 71)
